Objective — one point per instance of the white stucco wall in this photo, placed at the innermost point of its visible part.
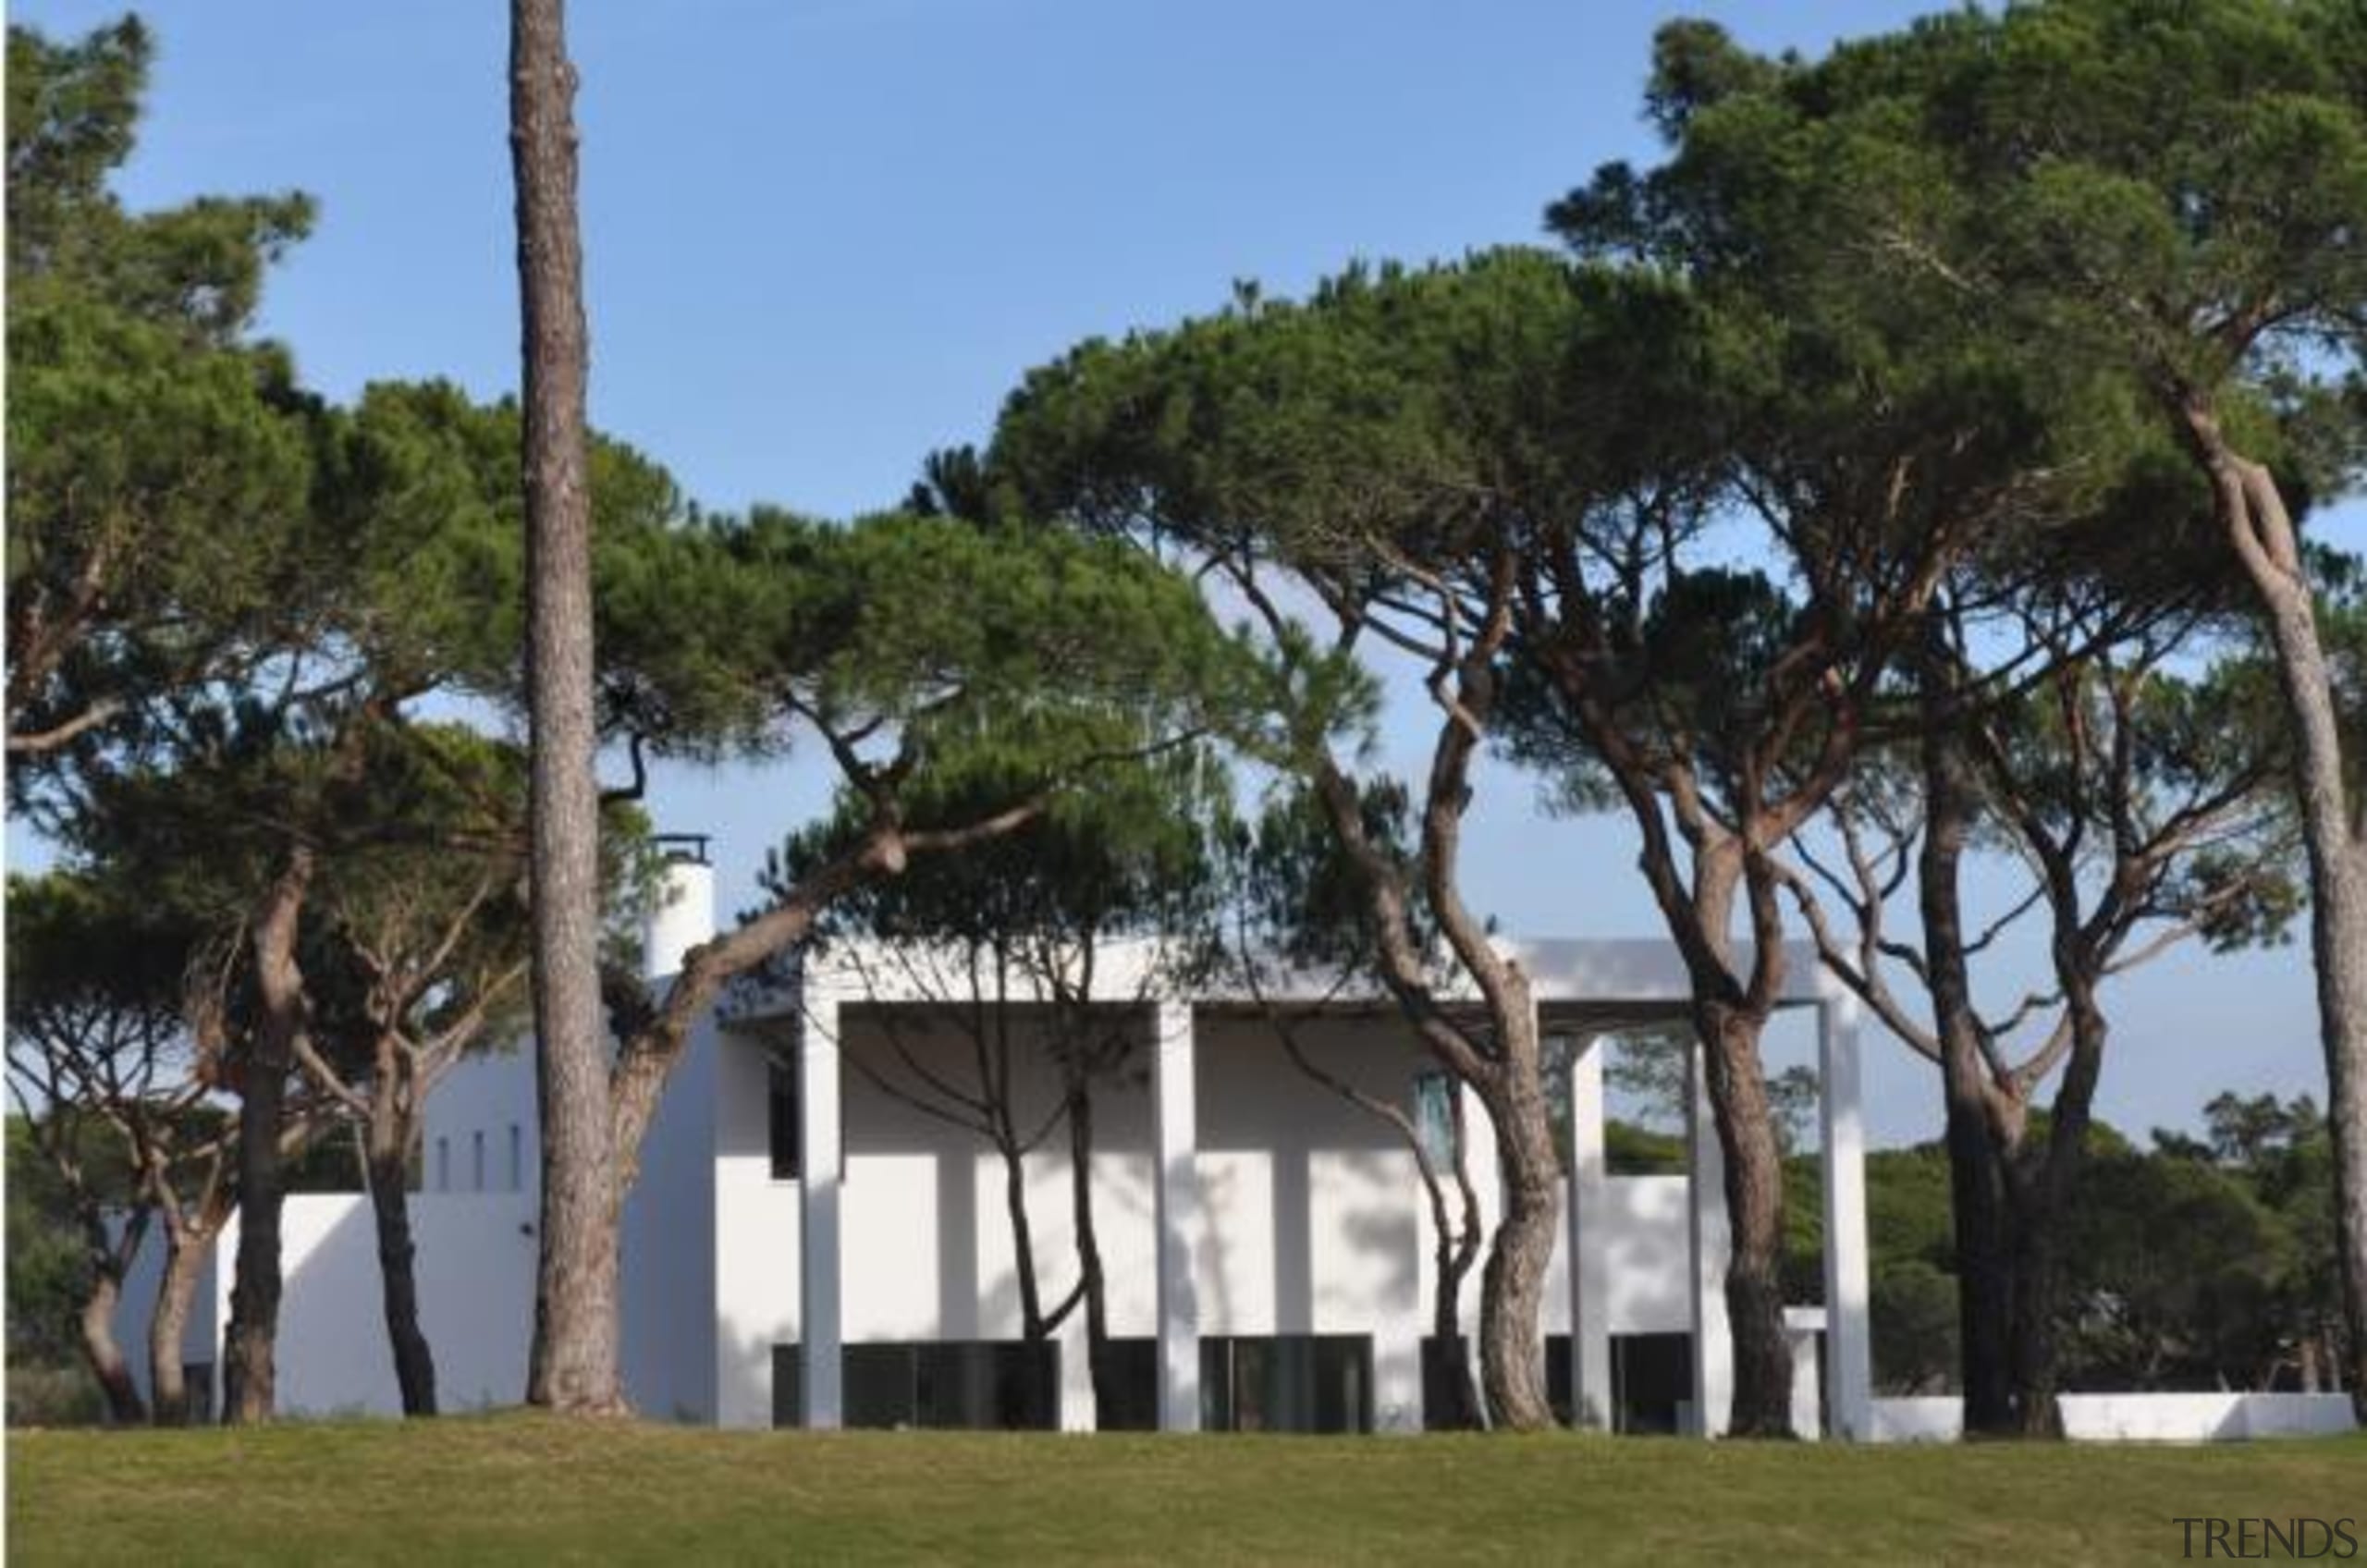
(479, 1103)
(476, 1263)
(1313, 1219)
(668, 1312)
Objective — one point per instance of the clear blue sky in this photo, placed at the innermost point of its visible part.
(826, 236)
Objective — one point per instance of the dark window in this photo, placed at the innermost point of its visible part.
(984, 1384)
(789, 1381)
(1439, 1398)
(197, 1393)
(780, 1122)
(1129, 1374)
(1287, 1383)
(1651, 1380)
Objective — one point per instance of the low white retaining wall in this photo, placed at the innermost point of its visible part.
(2176, 1418)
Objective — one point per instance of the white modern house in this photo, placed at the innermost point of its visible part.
(804, 1247)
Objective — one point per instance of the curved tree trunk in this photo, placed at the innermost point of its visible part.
(574, 1361)
(1032, 1322)
(2338, 933)
(105, 1353)
(168, 1327)
(389, 1181)
(108, 1256)
(1512, 1286)
(2052, 1179)
(1754, 1194)
(1108, 1396)
(2334, 830)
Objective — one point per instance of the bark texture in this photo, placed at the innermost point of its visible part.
(248, 1351)
(104, 1354)
(2260, 528)
(1977, 1175)
(1499, 1060)
(386, 1154)
(1754, 1194)
(186, 1251)
(1512, 1285)
(573, 1366)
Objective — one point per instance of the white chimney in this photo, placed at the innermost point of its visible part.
(685, 914)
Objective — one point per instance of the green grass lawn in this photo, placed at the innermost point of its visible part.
(517, 1488)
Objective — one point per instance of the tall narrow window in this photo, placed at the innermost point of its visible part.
(780, 1118)
(443, 1165)
(476, 1159)
(1434, 1118)
(517, 1157)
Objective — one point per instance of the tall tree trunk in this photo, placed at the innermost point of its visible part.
(249, 1370)
(2047, 1180)
(101, 1349)
(1107, 1395)
(1978, 1178)
(186, 1251)
(2338, 931)
(1512, 1285)
(1754, 1183)
(574, 1365)
(392, 1127)
(2334, 830)
(2036, 1410)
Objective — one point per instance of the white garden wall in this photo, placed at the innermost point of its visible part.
(2138, 1417)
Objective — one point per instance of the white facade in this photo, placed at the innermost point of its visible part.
(1235, 1198)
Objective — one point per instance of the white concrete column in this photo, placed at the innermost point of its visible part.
(1590, 1261)
(1804, 1329)
(1397, 1373)
(1077, 1413)
(1848, 1342)
(820, 1164)
(1488, 1185)
(1714, 1348)
(1175, 1186)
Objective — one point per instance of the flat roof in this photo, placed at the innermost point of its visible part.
(1578, 983)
